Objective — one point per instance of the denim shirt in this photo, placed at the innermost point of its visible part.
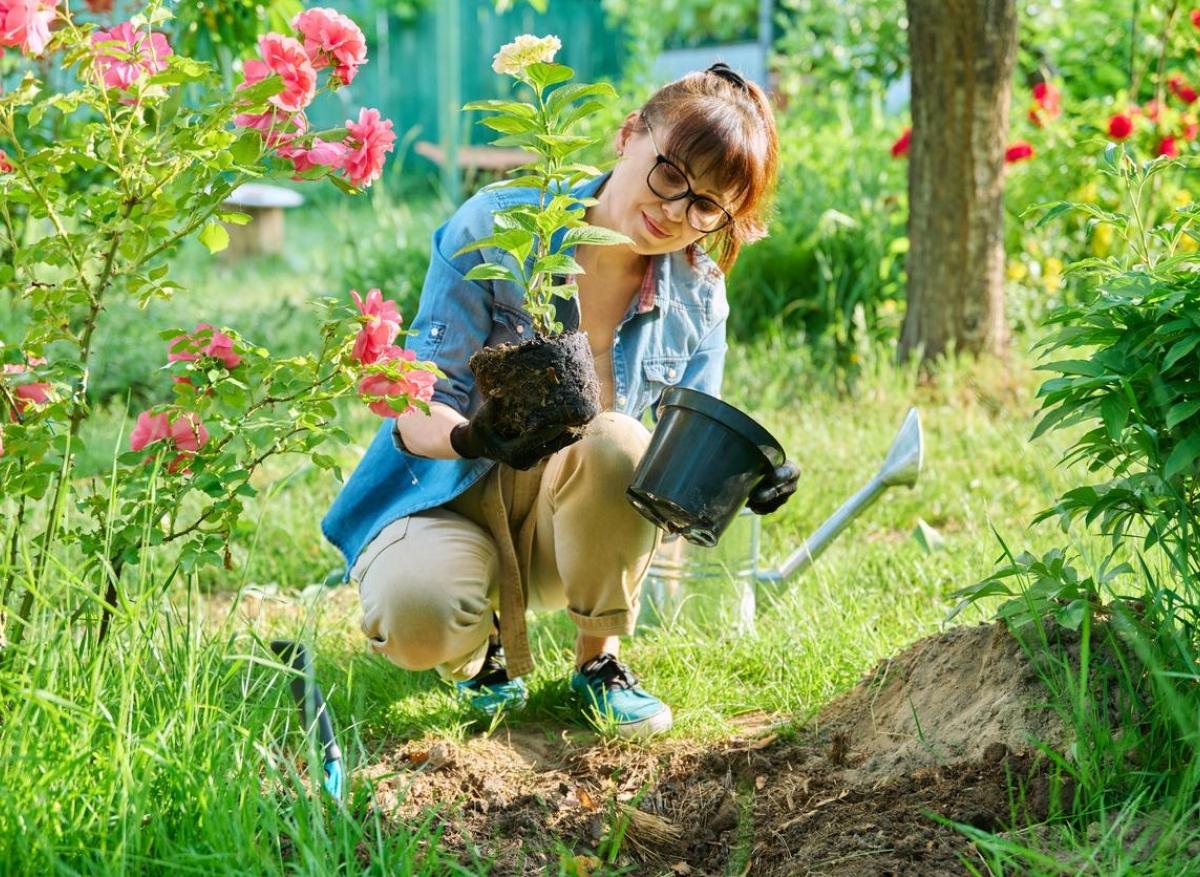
(679, 341)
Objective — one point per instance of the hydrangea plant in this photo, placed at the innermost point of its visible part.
(538, 237)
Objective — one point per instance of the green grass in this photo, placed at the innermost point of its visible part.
(176, 742)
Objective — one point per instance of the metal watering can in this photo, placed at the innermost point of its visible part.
(721, 585)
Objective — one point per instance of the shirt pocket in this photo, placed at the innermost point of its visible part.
(509, 326)
(659, 373)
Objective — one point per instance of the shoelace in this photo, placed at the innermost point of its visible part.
(610, 672)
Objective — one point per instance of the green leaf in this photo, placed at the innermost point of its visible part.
(214, 236)
(491, 271)
(1180, 349)
(560, 97)
(545, 75)
(557, 263)
(510, 124)
(235, 218)
(593, 234)
(1115, 412)
(512, 107)
(1181, 411)
(1183, 456)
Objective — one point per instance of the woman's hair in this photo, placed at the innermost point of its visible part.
(722, 129)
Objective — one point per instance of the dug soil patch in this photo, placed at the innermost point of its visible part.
(944, 728)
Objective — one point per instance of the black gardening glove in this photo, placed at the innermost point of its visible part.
(774, 489)
(478, 438)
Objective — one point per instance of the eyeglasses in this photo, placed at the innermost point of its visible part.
(668, 181)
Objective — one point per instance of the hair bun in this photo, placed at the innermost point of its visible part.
(727, 73)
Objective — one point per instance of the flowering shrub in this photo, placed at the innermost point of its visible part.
(98, 186)
(536, 237)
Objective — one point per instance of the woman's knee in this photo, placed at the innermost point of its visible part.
(614, 443)
(419, 626)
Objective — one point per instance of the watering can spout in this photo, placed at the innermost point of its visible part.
(902, 467)
(903, 464)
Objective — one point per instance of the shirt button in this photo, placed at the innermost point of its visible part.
(520, 330)
(621, 401)
(434, 331)
(670, 373)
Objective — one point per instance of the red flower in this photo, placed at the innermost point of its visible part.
(185, 433)
(1018, 151)
(1047, 103)
(1120, 126)
(1181, 89)
(1196, 18)
(1190, 129)
(375, 338)
(1168, 147)
(900, 147)
(286, 58)
(1151, 110)
(5, 167)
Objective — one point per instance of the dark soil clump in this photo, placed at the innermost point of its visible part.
(539, 383)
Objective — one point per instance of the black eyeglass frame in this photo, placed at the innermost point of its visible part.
(659, 158)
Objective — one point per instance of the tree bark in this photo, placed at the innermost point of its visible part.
(963, 53)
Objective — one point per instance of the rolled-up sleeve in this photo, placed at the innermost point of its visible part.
(454, 317)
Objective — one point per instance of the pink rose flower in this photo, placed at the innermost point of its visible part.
(5, 166)
(150, 428)
(1018, 151)
(382, 326)
(285, 57)
(370, 139)
(320, 154)
(416, 385)
(124, 55)
(331, 38)
(24, 395)
(205, 341)
(185, 433)
(26, 23)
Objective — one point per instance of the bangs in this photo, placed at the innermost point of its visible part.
(722, 153)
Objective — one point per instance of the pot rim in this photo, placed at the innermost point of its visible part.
(729, 416)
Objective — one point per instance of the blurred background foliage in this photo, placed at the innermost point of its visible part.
(831, 274)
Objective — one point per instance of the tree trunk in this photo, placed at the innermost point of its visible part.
(963, 53)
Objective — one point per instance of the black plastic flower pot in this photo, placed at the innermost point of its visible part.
(703, 460)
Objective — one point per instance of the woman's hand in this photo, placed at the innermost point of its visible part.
(477, 437)
(775, 489)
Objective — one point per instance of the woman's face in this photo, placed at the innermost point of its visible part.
(655, 225)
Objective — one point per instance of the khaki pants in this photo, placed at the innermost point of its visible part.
(429, 583)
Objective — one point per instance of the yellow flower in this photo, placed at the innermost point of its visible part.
(525, 50)
(1181, 199)
(1052, 274)
(1102, 240)
(1017, 270)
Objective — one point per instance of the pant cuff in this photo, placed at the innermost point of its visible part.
(620, 623)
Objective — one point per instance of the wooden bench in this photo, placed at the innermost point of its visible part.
(493, 161)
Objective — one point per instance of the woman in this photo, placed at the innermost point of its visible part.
(452, 532)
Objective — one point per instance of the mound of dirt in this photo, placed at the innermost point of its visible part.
(944, 728)
(946, 698)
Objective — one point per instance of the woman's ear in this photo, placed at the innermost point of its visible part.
(628, 128)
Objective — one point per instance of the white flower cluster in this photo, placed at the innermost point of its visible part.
(523, 51)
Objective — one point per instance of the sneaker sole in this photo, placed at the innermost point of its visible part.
(658, 723)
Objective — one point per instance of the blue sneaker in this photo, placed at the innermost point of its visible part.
(490, 690)
(610, 688)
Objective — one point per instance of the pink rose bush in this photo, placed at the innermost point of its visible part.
(125, 55)
(25, 24)
(156, 172)
(331, 41)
